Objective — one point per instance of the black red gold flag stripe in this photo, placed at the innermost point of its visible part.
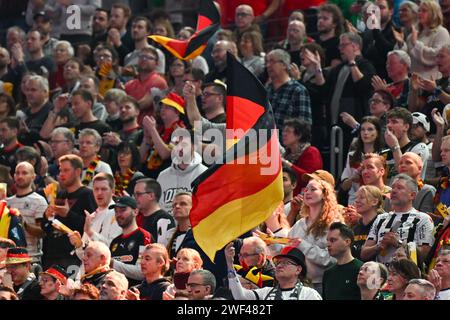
(241, 192)
(208, 22)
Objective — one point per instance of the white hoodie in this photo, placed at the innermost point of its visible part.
(174, 180)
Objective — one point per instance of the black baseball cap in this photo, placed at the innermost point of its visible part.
(124, 202)
(42, 14)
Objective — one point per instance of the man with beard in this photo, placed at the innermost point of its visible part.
(403, 224)
(118, 35)
(43, 23)
(38, 62)
(100, 23)
(378, 42)
(68, 209)
(31, 206)
(147, 78)
(219, 55)
(114, 286)
(330, 24)
(126, 248)
(140, 29)
(9, 130)
(131, 131)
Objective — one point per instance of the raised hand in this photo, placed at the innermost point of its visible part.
(438, 119)
(378, 83)
(399, 36)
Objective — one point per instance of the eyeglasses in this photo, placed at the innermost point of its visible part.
(104, 56)
(57, 141)
(376, 101)
(284, 263)
(193, 285)
(144, 57)
(247, 255)
(207, 94)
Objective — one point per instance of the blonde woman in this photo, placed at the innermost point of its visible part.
(187, 260)
(368, 204)
(424, 43)
(319, 211)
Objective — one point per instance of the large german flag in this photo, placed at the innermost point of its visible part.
(207, 24)
(237, 195)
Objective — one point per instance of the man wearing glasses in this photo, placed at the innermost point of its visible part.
(290, 270)
(253, 257)
(147, 79)
(201, 285)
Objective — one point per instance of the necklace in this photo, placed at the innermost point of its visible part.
(90, 170)
(122, 181)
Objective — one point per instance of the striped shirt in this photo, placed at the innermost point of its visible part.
(411, 226)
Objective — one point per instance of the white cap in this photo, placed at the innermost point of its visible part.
(422, 119)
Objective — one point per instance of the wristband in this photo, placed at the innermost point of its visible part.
(395, 148)
(353, 64)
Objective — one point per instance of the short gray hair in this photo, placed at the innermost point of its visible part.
(410, 182)
(282, 55)
(411, 5)
(68, 45)
(426, 287)
(43, 82)
(101, 249)
(93, 133)
(122, 281)
(353, 37)
(208, 278)
(259, 245)
(403, 56)
(65, 132)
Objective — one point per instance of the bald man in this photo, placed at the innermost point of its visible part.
(219, 55)
(30, 204)
(244, 20)
(411, 164)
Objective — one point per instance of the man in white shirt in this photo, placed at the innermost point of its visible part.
(403, 225)
(31, 206)
(101, 225)
(290, 269)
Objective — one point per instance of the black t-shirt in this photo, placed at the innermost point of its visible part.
(98, 125)
(35, 121)
(125, 248)
(154, 290)
(42, 67)
(331, 47)
(361, 232)
(57, 244)
(8, 157)
(158, 223)
(31, 291)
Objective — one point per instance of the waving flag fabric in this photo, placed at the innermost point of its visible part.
(237, 195)
(207, 24)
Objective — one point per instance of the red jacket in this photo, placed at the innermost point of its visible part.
(308, 162)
